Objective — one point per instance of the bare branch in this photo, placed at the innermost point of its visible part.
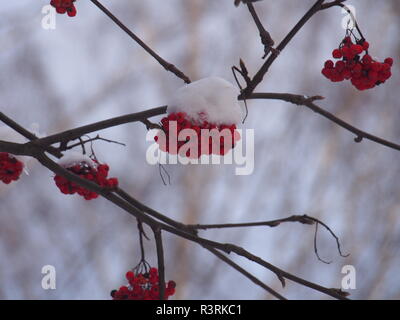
(304, 219)
(266, 38)
(264, 69)
(73, 134)
(331, 4)
(26, 133)
(245, 273)
(168, 66)
(160, 260)
(90, 140)
(309, 103)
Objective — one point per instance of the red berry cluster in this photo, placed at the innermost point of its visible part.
(10, 168)
(97, 174)
(210, 144)
(64, 6)
(364, 72)
(143, 286)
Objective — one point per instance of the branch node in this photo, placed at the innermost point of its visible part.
(358, 139)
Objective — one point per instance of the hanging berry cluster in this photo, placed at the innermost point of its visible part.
(363, 71)
(97, 174)
(205, 144)
(143, 286)
(64, 6)
(10, 168)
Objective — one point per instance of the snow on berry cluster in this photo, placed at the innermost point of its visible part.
(213, 143)
(10, 168)
(209, 103)
(143, 286)
(64, 6)
(364, 72)
(87, 169)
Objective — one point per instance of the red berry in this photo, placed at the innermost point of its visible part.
(356, 49)
(64, 6)
(337, 54)
(329, 64)
(365, 45)
(367, 59)
(10, 168)
(389, 61)
(142, 286)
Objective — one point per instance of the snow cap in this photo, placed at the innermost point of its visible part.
(213, 97)
(72, 158)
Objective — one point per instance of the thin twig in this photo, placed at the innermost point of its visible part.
(168, 66)
(245, 273)
(155, 214)
(141, 234)
(331, 4)
(304, 219)
(26, 133)
(265, 67)
(352, 17)
(309, 103)
(160, 261)
(73, 134)
(266, 38)
(83, 142)
(317, 221)
(316, 247)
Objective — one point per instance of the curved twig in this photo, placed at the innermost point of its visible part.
(309, 103)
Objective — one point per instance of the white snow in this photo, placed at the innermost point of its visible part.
(72, 158)
(215, 97)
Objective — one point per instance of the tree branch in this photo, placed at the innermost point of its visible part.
(109, 194)
(309, 103)
(331, 4)
(160, 260)
(304, 219)
(265, 67)
(266, 38)
(73, 134)
(235, 266)
(168, 66)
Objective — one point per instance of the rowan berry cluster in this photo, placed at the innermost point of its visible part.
(10, 168)
(363, 71)
(64, 6)
(97, 174)
(143, 286)
(211, 142)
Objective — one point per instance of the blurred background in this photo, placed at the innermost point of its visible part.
(89, 70)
